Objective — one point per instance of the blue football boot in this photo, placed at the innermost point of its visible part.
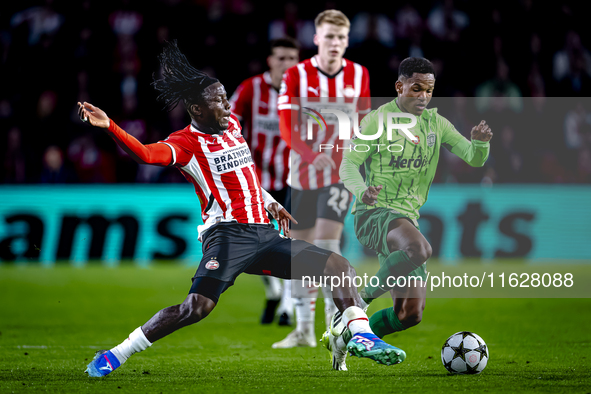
(368, 345)
(103, 363)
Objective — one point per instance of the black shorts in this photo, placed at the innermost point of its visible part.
(230, 249)
(331, 202)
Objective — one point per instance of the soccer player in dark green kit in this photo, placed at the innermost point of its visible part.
(398, 175)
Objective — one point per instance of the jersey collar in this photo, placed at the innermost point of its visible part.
(196, 130)
(316, 64)
(394, 104)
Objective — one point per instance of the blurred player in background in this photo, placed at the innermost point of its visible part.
(325, 81)
(396, 186)
(255, 104)
(237, 235)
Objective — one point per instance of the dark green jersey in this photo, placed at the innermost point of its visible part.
(404, 169)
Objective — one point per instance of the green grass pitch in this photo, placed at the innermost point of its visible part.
(53, 319)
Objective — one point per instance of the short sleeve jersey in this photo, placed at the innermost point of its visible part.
(221, 169)
(304, 88)
(255, 104)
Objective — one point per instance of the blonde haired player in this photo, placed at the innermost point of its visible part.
(318, 198)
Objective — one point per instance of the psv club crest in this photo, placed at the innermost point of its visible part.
(212, 264)
(349, 91)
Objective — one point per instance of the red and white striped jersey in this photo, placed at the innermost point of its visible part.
(221, 169)
(305, 87)
(255, 103)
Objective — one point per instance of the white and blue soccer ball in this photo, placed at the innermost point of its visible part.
(464, 353)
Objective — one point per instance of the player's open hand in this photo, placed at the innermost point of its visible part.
(94, 115)
(282, 216)
(370, 197)
(322, 161)
(481, 132)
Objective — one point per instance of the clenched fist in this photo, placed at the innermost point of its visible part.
(481, 132)
(370, 197)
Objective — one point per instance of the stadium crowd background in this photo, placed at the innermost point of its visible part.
(55, 53)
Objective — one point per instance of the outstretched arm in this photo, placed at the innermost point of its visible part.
(157, 154)
(474, 152)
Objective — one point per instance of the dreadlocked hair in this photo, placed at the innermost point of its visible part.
(180, 80)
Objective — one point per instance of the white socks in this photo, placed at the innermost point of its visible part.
(334, 245)
(356, 320)
(136, 342)
(286, 304)
(304, 298)
(272, 287)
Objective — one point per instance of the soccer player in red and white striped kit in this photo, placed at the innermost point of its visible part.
(255, 104)
(318, 197)
(236, 235)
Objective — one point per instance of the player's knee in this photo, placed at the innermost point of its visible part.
(337, 265)
(419, 251)
(195, 308)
